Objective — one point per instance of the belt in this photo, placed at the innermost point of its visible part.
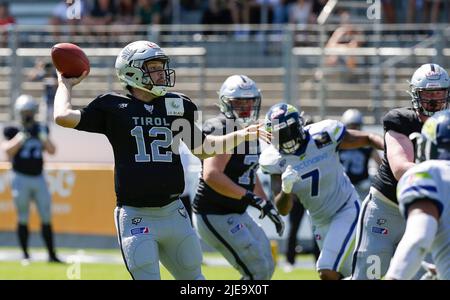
(376, 193)
(167, 200)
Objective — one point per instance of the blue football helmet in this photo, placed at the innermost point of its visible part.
(286, 125)
(434, 140)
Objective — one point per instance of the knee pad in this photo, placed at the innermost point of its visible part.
(189, 253)
(141, 256)
(260, 266)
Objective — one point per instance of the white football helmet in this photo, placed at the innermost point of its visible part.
(26, 108)
(26, 103)
(429, 77)
(352, 117)
(131, 70)
(240, 99)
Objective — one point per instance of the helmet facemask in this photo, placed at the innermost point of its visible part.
(243, 110)
(288, 136)
(156, 87)
(427, 104)
(133, 71)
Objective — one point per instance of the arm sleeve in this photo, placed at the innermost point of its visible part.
(418, 183)
(420, 231)
(394, 120)
(93, 116)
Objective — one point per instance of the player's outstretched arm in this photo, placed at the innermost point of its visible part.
(63, 113)
(421, 228)
(357, 139)
(222, 144)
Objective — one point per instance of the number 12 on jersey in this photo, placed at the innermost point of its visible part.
(142, 155)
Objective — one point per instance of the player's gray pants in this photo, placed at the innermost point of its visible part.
(241, 241)
(26, 188)
(147, 235)
(380, 229)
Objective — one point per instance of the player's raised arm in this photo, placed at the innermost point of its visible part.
(63, 113)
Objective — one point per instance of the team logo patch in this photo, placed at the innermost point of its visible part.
(230, 220)
(236, 228)
(381, 221)
(322, 139)
(182, 212)
(140, 230)
(276, 113)
(136, 220)
(148, 108)
(380, 230)
(174, 107)
(123, 105)
(282, 163)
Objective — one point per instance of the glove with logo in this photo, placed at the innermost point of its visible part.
(266, 208)
(288, 178)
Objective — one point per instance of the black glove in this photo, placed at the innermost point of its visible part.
(266, 208)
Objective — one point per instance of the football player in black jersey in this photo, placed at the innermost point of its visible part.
(380, 225)
(229, 184)
(24, 146)
(144, 128)
(356, 161)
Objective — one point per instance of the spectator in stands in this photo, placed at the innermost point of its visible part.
(424, 11)
(148, 12)
(102, 13)
(217, 12)
(68, 13)
(389, 11)
(44, 71)
(300, 12)
(125, 13)
(345, 36)
(5, 19)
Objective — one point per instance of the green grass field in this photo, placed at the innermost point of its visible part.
(96, 271)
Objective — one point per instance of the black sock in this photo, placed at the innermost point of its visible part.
(47, 234)
(22, 232)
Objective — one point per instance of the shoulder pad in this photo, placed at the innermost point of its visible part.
(396, 119)
(326, 130)
(178, 95)
(417, 183)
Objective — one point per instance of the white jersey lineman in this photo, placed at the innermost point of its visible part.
(431, 180)
(324, 190)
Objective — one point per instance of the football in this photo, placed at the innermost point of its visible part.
(70, 60)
